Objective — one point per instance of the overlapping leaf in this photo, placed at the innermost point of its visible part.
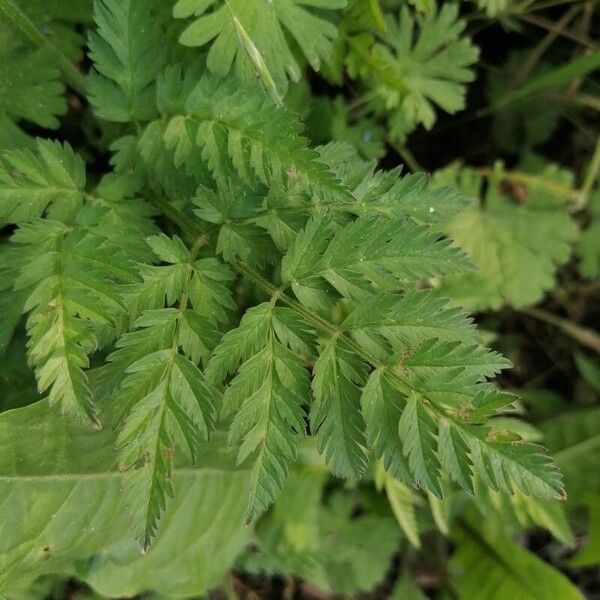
(30, 90)
(73, 305)
(128, 55)
(165, 402)
(50, 181)
(266, 398)
(410, 75)
(255, 35)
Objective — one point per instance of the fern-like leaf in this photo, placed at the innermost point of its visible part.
(50, 181)
(165, 402)
(73, 307)
(418, 432)
(234, 129)
(266, 397)
(382, 407)
(369, 254)
(335, 416)
(128, 54)
(30, 90)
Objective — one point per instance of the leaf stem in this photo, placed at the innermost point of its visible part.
(19, 22)
(562, 191)
(582, 335)
(406, 155)
(592, 172)
(558, 28)
(187, 225)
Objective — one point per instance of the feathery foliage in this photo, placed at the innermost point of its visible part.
(127, 56)
(30, 90)
(200, 295)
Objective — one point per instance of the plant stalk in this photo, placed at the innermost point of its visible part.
(592, 172)
(584, 336)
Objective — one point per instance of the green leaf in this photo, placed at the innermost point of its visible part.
(355, 552)
(406, 587)
(165, 402)
(435, 359)
(237, 130)
(324, 544)
(50, 181)
(128, 54)
(255, 35)
(204, 281)
(11, 302)
(266, 399)
(368, 193)
(588, 250)
(417, 431)
(410, 319)
(382, 406)
(69, 510)
(60, 21)
(332, 120)
(389, 253)
(492, 8)
(496, 567)
(335, 416)
(388, 193)
(516, 247)
(369, 254)
(574, 440)
(73, 305)
(410, 73)
(504, 465)
(169, 402)
(240, 343)
(402, 501)
(589, 555)
(30, 90)
(550, 514)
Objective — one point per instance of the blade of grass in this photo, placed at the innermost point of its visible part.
(557, 78)
(547, 41)
(592, 172)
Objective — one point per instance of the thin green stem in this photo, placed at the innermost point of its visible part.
(406, 155)
(557, 29)
(582, 335)
(540, 6)
(592, 172)
(534, 181)
(21, 24)
(539, 51)
(190, 227)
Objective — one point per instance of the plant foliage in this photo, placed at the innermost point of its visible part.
(204, 314)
